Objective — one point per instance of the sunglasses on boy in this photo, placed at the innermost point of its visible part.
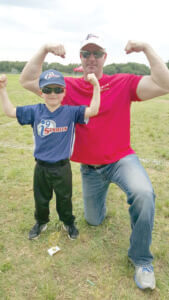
(56, 90)
(97, 54)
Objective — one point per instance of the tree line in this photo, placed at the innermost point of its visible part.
(134, 68)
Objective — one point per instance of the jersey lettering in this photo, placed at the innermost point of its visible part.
(46, 127)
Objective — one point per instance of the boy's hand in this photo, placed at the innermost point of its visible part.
(3, 81)
(56, 49)
(92, 79)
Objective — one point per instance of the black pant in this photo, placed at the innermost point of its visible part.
(55, 177)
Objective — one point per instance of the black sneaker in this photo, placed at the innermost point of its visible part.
(36, 230)
(72, 231)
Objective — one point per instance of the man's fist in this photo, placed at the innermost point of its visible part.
(135, 46)
(56, 49)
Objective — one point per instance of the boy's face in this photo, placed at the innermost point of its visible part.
(53, 95)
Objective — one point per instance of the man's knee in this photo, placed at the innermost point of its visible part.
(93, 221)
(143, 204)
(142, 196)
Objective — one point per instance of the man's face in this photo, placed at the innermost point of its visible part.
(93, 64)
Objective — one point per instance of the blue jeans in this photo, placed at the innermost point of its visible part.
(130, 176)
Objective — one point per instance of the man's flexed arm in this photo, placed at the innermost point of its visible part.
(157, 83)
(29, 78)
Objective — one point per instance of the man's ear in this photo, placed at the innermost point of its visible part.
(105, 56)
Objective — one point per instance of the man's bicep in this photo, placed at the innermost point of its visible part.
(148, 89)
(31, 85)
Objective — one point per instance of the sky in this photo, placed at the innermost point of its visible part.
(26, 25)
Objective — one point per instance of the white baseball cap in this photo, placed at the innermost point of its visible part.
(93, 39)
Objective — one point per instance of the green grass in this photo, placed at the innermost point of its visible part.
(95, 266)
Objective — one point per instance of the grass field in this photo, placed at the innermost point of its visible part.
(95, 266)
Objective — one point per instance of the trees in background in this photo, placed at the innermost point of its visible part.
(10, 66)
(17, 67)
(134, 68)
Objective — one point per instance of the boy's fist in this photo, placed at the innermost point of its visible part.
(3, 81)
(92, 79)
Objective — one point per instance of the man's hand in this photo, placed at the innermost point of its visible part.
(56, 49)
(92, 79)
(3, 81)
(135, 46)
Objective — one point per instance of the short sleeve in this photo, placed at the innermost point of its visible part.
(78, 114)
(25, 114)
(134, 81)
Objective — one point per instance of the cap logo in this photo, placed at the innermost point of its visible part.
(51, 75)
(90, 35)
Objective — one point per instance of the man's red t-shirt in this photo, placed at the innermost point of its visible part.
(106, 137)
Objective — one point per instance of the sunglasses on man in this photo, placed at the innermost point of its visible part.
(56, 90)
(97, 54)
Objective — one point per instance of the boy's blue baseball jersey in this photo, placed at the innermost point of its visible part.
(53, 131)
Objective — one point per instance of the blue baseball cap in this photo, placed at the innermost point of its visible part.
(51, 77)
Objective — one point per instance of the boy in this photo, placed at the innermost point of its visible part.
(53, 128)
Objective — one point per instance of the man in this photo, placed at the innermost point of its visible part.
(103, 146)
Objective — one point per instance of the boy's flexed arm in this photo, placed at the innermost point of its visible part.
(93, 109)
(7, 106)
